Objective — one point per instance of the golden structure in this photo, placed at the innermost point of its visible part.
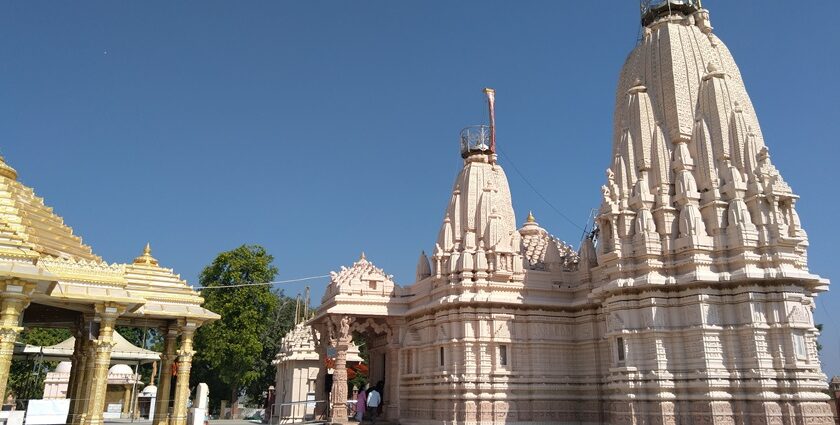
(49, 278)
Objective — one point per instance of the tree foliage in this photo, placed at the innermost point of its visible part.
(234, 353)
(26, 376)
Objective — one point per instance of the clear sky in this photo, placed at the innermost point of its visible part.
(323, 129)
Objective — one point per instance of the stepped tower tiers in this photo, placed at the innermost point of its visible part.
(690, 303)
(699, 237)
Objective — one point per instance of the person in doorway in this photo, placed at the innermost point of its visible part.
(380, 387)
(373, 400)
(361, 403)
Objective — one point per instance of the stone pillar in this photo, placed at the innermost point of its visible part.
(126, 401)
(319, 335)
(182, 387)
(75, 386)
(162, 401)
(107, 314)
(392, 380)
(340, 338)
(15, 295)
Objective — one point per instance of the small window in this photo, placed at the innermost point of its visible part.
(619, 343)
(799, 346)
(503, 359)
(441, 356)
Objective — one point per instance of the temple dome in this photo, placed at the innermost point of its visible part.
(120, 369)
(150, 390)
(543, 251)
(63, 367)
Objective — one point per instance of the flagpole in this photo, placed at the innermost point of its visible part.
(491, 100)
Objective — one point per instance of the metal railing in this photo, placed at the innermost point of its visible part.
(652, 9)
(475, 139)
(287, 415)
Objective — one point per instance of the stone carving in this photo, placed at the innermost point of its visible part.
(696, 267)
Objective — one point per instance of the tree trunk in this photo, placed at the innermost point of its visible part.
(234, 403)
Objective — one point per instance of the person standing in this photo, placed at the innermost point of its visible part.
(373, 400)
(361, 403)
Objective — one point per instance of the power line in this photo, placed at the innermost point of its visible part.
(276, 282)
(515, 168)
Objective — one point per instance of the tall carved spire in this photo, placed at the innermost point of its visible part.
(478, 238)
(690, 170)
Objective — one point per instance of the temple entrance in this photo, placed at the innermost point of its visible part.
(375, 341)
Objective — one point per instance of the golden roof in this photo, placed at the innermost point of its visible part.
(36, 246)
(34, 224)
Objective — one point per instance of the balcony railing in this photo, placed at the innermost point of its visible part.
(652, 9)
(475, 139)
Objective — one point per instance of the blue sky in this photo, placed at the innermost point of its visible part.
(322, 129)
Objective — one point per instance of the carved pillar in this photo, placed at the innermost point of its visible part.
(85, 375)
(182, 387)
(340, 337)
(162, 400)
(107, 314)
(15, 298)
(76, 383)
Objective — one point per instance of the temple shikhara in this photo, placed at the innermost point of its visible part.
(691, 302)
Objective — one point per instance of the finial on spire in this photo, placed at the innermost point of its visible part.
(531, 218)
(146, 258)
(362, 257)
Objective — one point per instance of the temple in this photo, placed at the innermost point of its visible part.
(690, 302)
(49, 278)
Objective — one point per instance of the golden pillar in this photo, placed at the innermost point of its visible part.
(76, 384)
(15, 295)
(182, 388)
(161, 416)
(86, 379)
(107, 314)
(126, 401)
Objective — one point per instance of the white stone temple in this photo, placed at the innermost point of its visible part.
(691, 302)
(297, 364)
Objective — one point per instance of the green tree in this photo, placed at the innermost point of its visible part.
(26, 376)
(279, 323)
(231, 352)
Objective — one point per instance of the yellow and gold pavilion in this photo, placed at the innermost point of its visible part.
(49, 278)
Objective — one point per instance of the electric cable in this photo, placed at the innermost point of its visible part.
(522, 176)
(276, 282)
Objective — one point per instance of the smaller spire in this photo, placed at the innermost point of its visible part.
(362, 258)
(531, 227)
(146, 258)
